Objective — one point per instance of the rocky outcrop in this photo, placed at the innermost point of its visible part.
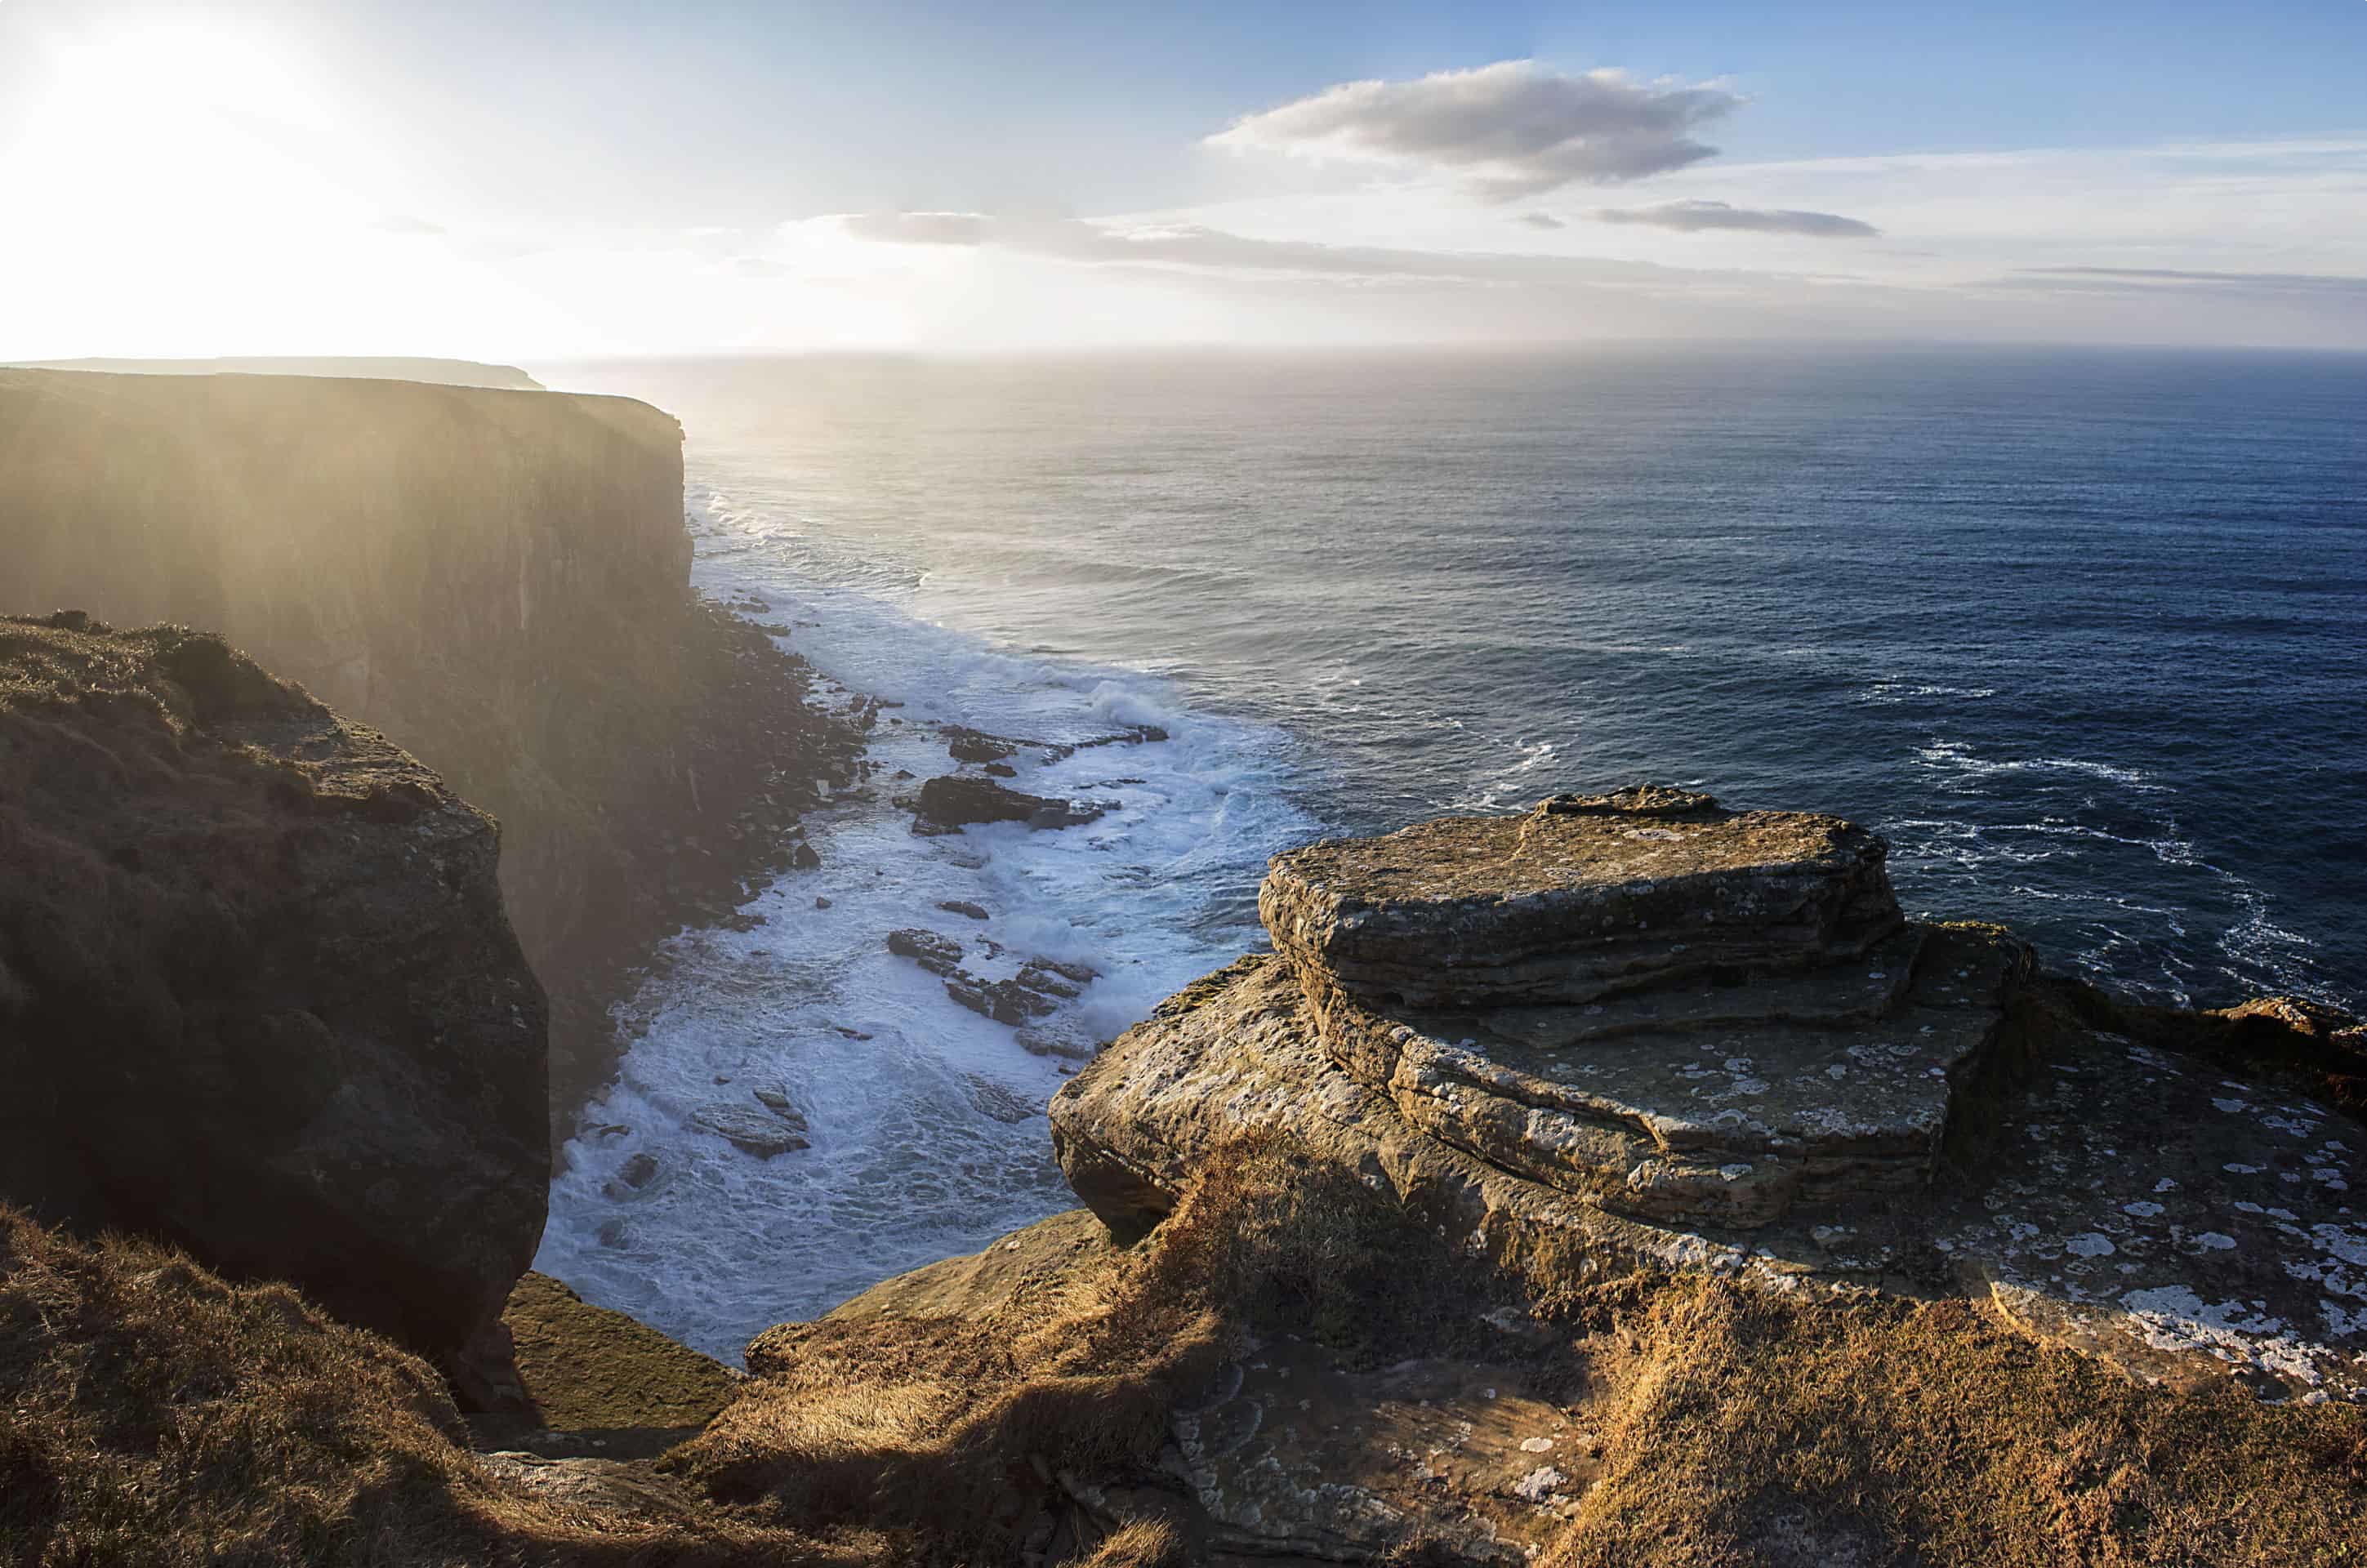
(1033, 992)
(1680, 1011)
(1834, 1099)
(257, 992)
(1586, 896)
(497, 579)
(954, 801)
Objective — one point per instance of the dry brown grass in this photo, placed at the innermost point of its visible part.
(1740, 1428)
(958, 1425)
(152, 1416)
(1146, 1543)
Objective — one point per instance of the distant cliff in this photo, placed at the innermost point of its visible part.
(442, 372)
(497, 579)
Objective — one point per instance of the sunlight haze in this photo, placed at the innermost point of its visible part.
(519, 180)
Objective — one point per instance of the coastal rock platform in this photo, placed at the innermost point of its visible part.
(1920, 1117)
(1678, 1011)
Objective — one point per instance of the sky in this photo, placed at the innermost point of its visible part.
(525, 180)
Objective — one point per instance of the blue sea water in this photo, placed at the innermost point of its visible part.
(2083, 633)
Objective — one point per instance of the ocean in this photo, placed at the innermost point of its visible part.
(2083, 633)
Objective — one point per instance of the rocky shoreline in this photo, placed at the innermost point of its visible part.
(1627, 1181)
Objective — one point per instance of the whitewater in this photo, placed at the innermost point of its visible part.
(926, 1119)
(2076, 631)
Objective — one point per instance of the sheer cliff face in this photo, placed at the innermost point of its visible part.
(257, 994)
(497, 579)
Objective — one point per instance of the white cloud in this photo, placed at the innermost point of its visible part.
(1199, 248)
(1693, 217)
(1542, 220)
(1508, 130)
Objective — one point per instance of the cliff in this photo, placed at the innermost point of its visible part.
(256, 991)
(438, 372)
(1624, 1182)
(497, 579)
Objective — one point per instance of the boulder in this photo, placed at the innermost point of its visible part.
(937, 955)
(954, 801)
(1680, 1010)
(1005, 1002)
(257, 993)
(758, 1133)
(586, 1380)
(966, 745)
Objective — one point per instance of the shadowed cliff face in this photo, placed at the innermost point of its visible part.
(497, 579)
(256, 991)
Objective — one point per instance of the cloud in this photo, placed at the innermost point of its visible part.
(403, 223)
(1542, 220)
(1196, 247)
(1693, 217)
(2164, 281)
(1510, 130)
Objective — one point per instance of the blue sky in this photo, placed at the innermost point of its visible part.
(2091, 170)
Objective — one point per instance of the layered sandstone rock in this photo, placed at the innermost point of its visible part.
(1584, 897)
(1833, 1097)
(1681, 1011)
(257, 992)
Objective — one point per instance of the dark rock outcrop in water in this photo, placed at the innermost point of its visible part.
(257, 993)
(954, 801)
(497, 579)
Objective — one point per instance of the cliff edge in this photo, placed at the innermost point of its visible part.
(257, 995)
(497, 579)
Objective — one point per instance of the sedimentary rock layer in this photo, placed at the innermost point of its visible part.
(1734, 1122)
(257, 992)
(2230, 1246)
(1585, 896)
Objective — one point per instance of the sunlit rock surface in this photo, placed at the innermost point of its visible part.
(1841, 1099)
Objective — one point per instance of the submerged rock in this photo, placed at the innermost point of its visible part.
(758, 1133)
(778, 1102)
(257, 993)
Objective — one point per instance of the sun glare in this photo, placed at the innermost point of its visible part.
(217, 201)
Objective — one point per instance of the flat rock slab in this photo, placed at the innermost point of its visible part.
(2119, 1207)
(1729, 1121)
(2143, 1206)
(1582, 898)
